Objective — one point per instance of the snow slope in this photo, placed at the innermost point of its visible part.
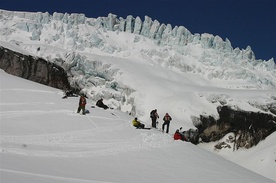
(44, 140)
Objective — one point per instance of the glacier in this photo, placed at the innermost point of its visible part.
(91, 50)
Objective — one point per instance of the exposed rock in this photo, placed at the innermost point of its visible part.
(34, 69)
(222, 145)
(190, 135)
(249, 127)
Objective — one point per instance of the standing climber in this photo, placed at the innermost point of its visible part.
(167, 119)
(82, 103)
(154, 115)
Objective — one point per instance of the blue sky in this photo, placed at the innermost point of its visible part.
(243, 22)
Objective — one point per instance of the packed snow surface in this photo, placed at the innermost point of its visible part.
(44, 140)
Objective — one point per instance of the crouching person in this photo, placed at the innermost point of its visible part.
(180, 135)
(190, 135)
(138, 124)
(100, 103)
(177, 135)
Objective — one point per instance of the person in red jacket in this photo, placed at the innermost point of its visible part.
(82, 103)
(180, 135)
(177, 135)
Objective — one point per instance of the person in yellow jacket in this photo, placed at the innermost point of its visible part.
(138, 124)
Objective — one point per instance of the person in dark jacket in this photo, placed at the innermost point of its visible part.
(167, 119)
(100, 103)
(82, 103)
(154, 115)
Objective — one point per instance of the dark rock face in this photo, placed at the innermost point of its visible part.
(249, 127)
(34, 69)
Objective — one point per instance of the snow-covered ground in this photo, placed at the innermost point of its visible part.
(44, 140)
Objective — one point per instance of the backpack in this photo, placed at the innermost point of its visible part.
(167, 118)
(152, 114)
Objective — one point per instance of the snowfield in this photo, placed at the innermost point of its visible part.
(44, 140)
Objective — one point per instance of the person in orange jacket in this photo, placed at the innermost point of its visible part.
(167, 119)
(82, 103)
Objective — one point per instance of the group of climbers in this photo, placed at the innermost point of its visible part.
(82, 103)
(154, 116)
(167, 119)
(190, 135)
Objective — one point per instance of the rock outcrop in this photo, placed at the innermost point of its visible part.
(33, 68)
(248, 127)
